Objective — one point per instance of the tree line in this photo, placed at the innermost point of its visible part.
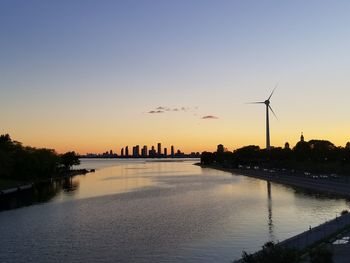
(319, 156)
(18, 162)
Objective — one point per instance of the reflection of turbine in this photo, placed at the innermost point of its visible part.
(267, 103)
(269, 209)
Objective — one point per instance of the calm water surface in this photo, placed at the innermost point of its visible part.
(144, 211)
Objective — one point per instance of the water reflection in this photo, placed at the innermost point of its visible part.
(40, 192)
(169, 212)
(269, 209)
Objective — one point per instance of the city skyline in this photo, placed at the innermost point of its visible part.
(142, 152)
(79, 76)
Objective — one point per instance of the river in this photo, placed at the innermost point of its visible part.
(158, 211)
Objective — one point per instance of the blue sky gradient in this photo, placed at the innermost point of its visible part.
(98, 67)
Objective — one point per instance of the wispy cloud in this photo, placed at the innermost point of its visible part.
(163, 109)
(209, 117)
(155, 111)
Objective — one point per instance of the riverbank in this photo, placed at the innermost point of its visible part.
(326, 233)
(10, 186)
(330, 185)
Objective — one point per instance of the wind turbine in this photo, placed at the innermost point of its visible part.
(268, 108)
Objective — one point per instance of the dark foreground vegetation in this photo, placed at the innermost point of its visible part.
(272, 253)
(316, 156)
(28, 164)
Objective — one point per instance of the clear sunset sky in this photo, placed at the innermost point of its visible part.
(89, 75)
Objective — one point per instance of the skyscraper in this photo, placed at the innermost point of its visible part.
(136, 151)
(122, 152)
(165, 152)
(127, 151)
(144, 151)
(172, 151)
(152, 152)
(159, 151)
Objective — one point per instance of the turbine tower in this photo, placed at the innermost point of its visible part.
(268, 108)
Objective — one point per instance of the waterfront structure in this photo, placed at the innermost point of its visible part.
(165, 152)
(122, 152)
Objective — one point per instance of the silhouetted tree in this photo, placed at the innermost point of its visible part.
(207, 158)
(69, 159)
(28, 163)
(272, 253)
(321, 255)
(302, 151)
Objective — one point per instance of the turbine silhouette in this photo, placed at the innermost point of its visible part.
(268, 107)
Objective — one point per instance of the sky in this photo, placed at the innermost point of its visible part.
(91, 76)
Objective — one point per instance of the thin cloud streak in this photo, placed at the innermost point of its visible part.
(209, 117)
(155, 111)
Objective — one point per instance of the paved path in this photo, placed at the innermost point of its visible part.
(319, 233)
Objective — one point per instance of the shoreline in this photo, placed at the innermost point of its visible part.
(21, 186)
(338, 186)
(325, 233)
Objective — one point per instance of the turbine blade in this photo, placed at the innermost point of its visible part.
(273, 91)
(256, 102)
(273, 112)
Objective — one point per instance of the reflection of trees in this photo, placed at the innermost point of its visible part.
(70, 184)
(41, 192)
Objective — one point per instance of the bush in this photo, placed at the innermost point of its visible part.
(321, 255)
(271, 253)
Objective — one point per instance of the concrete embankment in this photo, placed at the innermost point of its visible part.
(316, 235)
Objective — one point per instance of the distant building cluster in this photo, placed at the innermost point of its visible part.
(144, 152)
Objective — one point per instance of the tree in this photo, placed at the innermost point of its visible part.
(69, 159)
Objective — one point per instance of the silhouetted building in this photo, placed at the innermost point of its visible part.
(110, 152)
(159, 150)
(122, 152)
(165, 152)
(144, 151)
(152, 152)
(220, 149)
(286, 146)
(127, 151)
(302, 137)
(172, 151)
(136, 151)
(179, 154)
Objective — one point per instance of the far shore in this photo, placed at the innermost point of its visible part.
(337, 186)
